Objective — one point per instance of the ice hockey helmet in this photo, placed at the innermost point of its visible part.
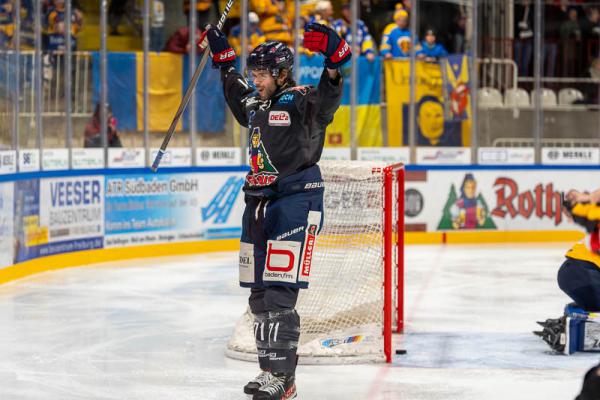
(271, 55)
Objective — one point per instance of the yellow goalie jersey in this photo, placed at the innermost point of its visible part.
(588, 216)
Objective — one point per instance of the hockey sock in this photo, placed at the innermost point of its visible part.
(262, 340)
(283, 333)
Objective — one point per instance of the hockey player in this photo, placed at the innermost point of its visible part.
(579, 277)
(283, 190)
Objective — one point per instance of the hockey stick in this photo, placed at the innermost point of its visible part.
(190, 89)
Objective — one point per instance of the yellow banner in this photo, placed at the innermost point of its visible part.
(165, 90)
(436, 122)
(368, 127)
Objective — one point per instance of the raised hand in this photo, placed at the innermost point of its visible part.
(223, 53)
(325, 40)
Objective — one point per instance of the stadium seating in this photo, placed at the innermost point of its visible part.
(516, 98)
(489, 97)
(548, 97)
(568, 96)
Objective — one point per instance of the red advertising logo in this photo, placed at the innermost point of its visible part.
(308, 250)
(542, 201)
(280, 252)
(279, 118)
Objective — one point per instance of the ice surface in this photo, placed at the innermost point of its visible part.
(157, 329)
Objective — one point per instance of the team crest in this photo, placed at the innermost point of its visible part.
(404, 44)
(263, 170)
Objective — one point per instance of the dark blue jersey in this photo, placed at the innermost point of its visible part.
(286, 132)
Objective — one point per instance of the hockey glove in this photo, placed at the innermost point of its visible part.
(223, 54)
(325, 40)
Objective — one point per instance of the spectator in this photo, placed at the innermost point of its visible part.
(523, 36)
(430, 50)
(202, 12)
(27, 7)
(323, 13)
(459, 40)
(553, 17)
(397, 42)
(571, 36)
(55, 26)
(590, 28)
(92, 137)
(592, 94)
(388, 28)
(179, 42)
(116, 11)
(7, 24)
(274, 19)
(255, 35)
(157, 28)
(344, 29)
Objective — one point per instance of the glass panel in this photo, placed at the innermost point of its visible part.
(7, 75)
(505, 65)
(570, 61)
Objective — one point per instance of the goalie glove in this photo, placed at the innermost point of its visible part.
(223, 54)
(320, 38)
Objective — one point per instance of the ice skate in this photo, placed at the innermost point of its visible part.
(261, 380)
(280, 387)
(553, 333)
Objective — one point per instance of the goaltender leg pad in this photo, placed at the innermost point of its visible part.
(582, 334)
(575, 331)
(580, 280)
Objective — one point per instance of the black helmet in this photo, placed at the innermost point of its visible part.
(271, 55)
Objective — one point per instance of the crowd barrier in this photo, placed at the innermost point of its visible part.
(56, 219)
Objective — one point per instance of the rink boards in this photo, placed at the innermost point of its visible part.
(78, 217)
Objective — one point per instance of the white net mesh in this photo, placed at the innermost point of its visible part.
(341, 312)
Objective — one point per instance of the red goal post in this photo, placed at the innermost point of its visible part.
(393, 258)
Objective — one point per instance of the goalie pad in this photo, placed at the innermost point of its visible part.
(577, 330)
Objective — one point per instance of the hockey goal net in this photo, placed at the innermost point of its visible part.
(355, 297)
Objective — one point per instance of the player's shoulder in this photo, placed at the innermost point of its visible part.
(300, 90)
(293, 95)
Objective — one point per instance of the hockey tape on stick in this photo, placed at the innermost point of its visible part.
(157, 159)
(190, 89)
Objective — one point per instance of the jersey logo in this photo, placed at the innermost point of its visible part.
(279, 118)
(404, 44)
(286, 98)
(263, 171)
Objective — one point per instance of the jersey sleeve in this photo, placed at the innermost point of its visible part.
(320, 104)
(236, 91)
